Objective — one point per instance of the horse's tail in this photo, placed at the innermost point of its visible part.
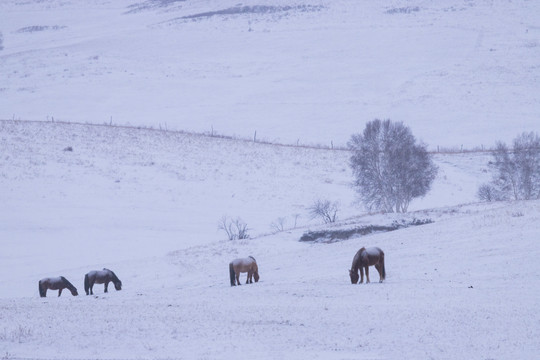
(232, 274)
(41, 290)
(382, 265)
(86, 284)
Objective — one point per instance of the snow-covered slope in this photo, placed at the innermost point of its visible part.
(458, 72)
(124, 185)
(147, 202)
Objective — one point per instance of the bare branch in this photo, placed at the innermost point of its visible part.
(325, 210)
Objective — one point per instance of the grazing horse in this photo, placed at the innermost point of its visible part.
(248, 265)
(101, 277)
(365, 258)
(55, 283)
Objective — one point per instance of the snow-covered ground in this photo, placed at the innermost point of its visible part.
(146, 203)
(458, 72)
(466, 287)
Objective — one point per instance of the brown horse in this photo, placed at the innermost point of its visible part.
(56, 283)
(104, 276)
(248, 265)
(365, 258)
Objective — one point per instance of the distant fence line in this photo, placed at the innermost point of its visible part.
(214, 134)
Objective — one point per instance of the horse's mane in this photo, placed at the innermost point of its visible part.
(115, 278)
(67, 283)
(253, 258)
(357, 260)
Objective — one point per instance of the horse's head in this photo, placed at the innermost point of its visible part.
(256, 276)
(118, 285)
(354, 276)
(116, 281)
(70, 286)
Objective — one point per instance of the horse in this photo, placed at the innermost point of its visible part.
(365, 258)
(241, 265)
(101, 277)
(55, 283)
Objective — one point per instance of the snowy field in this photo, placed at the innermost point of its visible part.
(146, 203)
(458, 72)
(78, 194)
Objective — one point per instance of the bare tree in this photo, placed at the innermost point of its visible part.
(390, 168)
(324, 209)
(278, 225)
(488, 192)
(241, 229)
(234, 228)
(517, 170)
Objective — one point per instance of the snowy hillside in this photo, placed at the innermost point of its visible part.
(120, 185)
(466, 287)
(458, 72)
(80, 191)
(146, 203)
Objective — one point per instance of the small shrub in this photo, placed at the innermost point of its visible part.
(278, 225)
(488, 192)
(325, 210)
(234, 228)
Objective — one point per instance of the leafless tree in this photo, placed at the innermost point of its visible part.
(488, 192)
(234, 228)
(517, 170)
(278, 225)
(325, 209)
(389, 167)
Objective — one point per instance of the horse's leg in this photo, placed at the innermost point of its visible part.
(361, 275)
(60, 292)
(379, 269)
(106, 286)
(238, 278)
(249, 277)
(92, 287)
(367, 274)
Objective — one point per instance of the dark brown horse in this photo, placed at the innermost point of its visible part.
(248, 265)
(104, 276)
(55, 283)
(365, 258)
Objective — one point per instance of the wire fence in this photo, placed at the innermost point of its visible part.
(214, 134)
